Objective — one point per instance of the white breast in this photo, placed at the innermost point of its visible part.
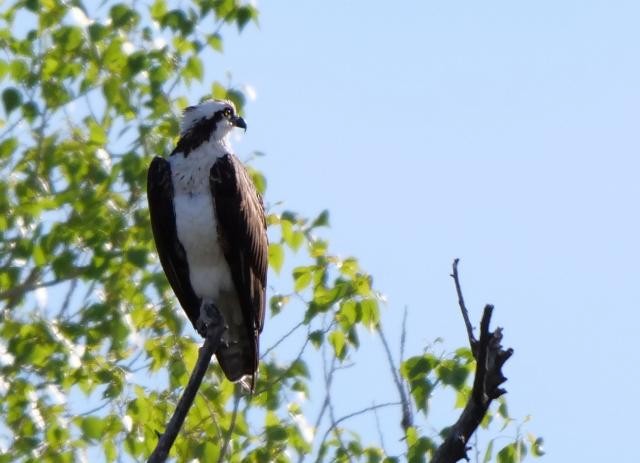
(196, 222)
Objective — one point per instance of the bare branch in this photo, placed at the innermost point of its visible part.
(490, 357)
(407, 416)
(17, 291)
(372, 408)
(283, 338)
(286, 372)
(212, 340)
(232, 425)
(463, 308)
(403, 335)
(379, 429)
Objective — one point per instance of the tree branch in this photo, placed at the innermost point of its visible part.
(407, 416)
(463, 308)
(212, 340)
(232, 425)
(490, 357)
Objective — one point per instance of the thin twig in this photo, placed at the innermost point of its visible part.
(232, 425)
(403, 335)
(326, 405)
(277, 343)
(67, 298)
(354, 414)
(286, 372)
(332, 412)
(407, 418)
(379, 429)
(212, 340)
(463, 308)
(95, 409)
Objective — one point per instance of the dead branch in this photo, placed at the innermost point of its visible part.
(490, 357)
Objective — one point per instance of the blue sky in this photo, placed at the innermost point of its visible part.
(504, 133)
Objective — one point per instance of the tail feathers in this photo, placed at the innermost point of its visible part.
(238, 365)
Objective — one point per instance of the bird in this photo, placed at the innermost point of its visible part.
(209, 226)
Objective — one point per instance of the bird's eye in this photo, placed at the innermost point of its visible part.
(227, 112)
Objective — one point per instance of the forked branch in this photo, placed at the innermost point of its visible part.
(490, 357)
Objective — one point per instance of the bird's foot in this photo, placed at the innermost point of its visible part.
(209, 317)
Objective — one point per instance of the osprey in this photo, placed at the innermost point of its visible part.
(209, 227)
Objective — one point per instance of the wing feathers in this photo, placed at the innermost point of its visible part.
(163, 223)
(243, 237)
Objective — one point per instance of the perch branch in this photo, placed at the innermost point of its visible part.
(490, 357)
(211, 342)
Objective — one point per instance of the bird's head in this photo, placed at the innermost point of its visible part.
(217, 117)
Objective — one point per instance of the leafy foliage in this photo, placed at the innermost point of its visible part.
(93, 352)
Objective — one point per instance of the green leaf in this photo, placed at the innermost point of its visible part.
(536, 446)
(215, 42)
(19, 70)
(237, 97)
(177, 21)
(39, 257)
(4, 68)
(110, 450)
(11, 99)
(193, 69)
(293, 238)
(348, 314)
(210, 451)
(452, 373)
(7, 147)
(137, 257)
(418, 366)
(274, 430)
(296, 240)
(55, 94)
(512, 453)
(123, 17)
(276, 256)
(302, 277)
(503, 411)
(244, 14)
(218, 91)
(137, 62)
(488, 454)
(337, 340)
(92, 427)
(68, 38)
(30, 111)
(158, 9)
(286, 229)
(421, 389)
(462, 397)
(316, 338)
(277, 302)
(322, 220)
(259, 180)
(98, 32)
(370, 313)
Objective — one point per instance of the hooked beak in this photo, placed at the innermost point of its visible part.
(239, 122)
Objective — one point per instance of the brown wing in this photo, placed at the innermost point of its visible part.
(242, 232)
(170, 250)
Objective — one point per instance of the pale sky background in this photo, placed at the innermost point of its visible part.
(505, 133)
